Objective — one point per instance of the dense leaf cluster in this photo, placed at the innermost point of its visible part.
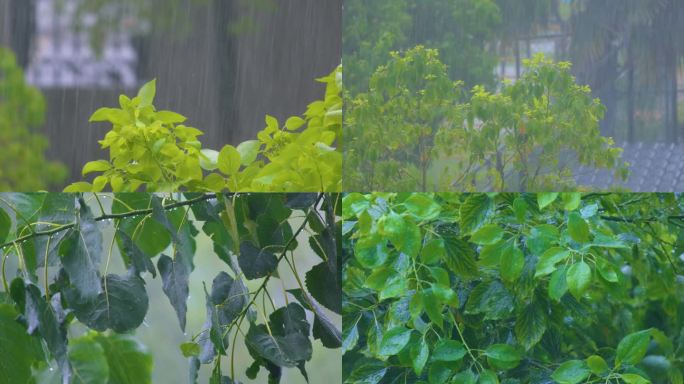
(513, 288)
(22, 113)
(153, 150)
(64, 279)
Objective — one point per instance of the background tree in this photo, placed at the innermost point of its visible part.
(22, 113)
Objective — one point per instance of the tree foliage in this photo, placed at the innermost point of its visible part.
(64, 281)
(426, 134)
(153, 150)
(513, 288)
(22, 113)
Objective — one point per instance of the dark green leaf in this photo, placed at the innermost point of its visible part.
(255, 262)
(530, 325)
(578, 229)
(460, 257)
(122, 306)
(492, 299)
(134, 256)
(324, 286)
(175, 277)
(474, 211)
(419, 356)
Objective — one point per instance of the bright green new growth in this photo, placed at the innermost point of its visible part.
(22, 111)
(513, 288)
(154, 151)
(416, 129)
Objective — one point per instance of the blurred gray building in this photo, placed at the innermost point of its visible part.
(223, 79)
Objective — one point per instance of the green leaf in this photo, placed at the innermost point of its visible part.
(18, 351)
(367, 371)
(558, 285)
(323, 284)
(134, 256)
(487, 235)
(349, 339)
(96, 166)
(279, 350)
(175, 274)
(460, 257)
(256, 263)
(465, 377)
(5, 225)
(548, 260)
(578, 278)
(229, 297)
(128, 360)
(606, 270)
(503, 356)
(121, 307)
(147, 93)
(422, 207)
(293, 123)
(530, 325)
(474, 212)
(545, 199)
(597, 365)
(248, 150)
(113, 115)
(571, 201)
(571, 372)
(439, 372)
(42, 318)
(229, 160)
(190, 349)
(512, 263)
(170, 117)
(492, 299)
(578, 229)
(433, 307)
(633, 378)
(448, 350)
(88, 361)
(488, 377)
(433, 251)
(80, 252)
(370, 253)
(520, 209)
(394, 340)
(419, 356)
(632, 348)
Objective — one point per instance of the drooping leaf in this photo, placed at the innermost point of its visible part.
(175, 275)
(460, 257)
(255, 262)
(324, 286)
(121, 306)
(578, 278)
(578, 229)
(490, 298)
(134, 256)
(419, 356)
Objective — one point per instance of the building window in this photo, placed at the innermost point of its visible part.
(62, 56)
